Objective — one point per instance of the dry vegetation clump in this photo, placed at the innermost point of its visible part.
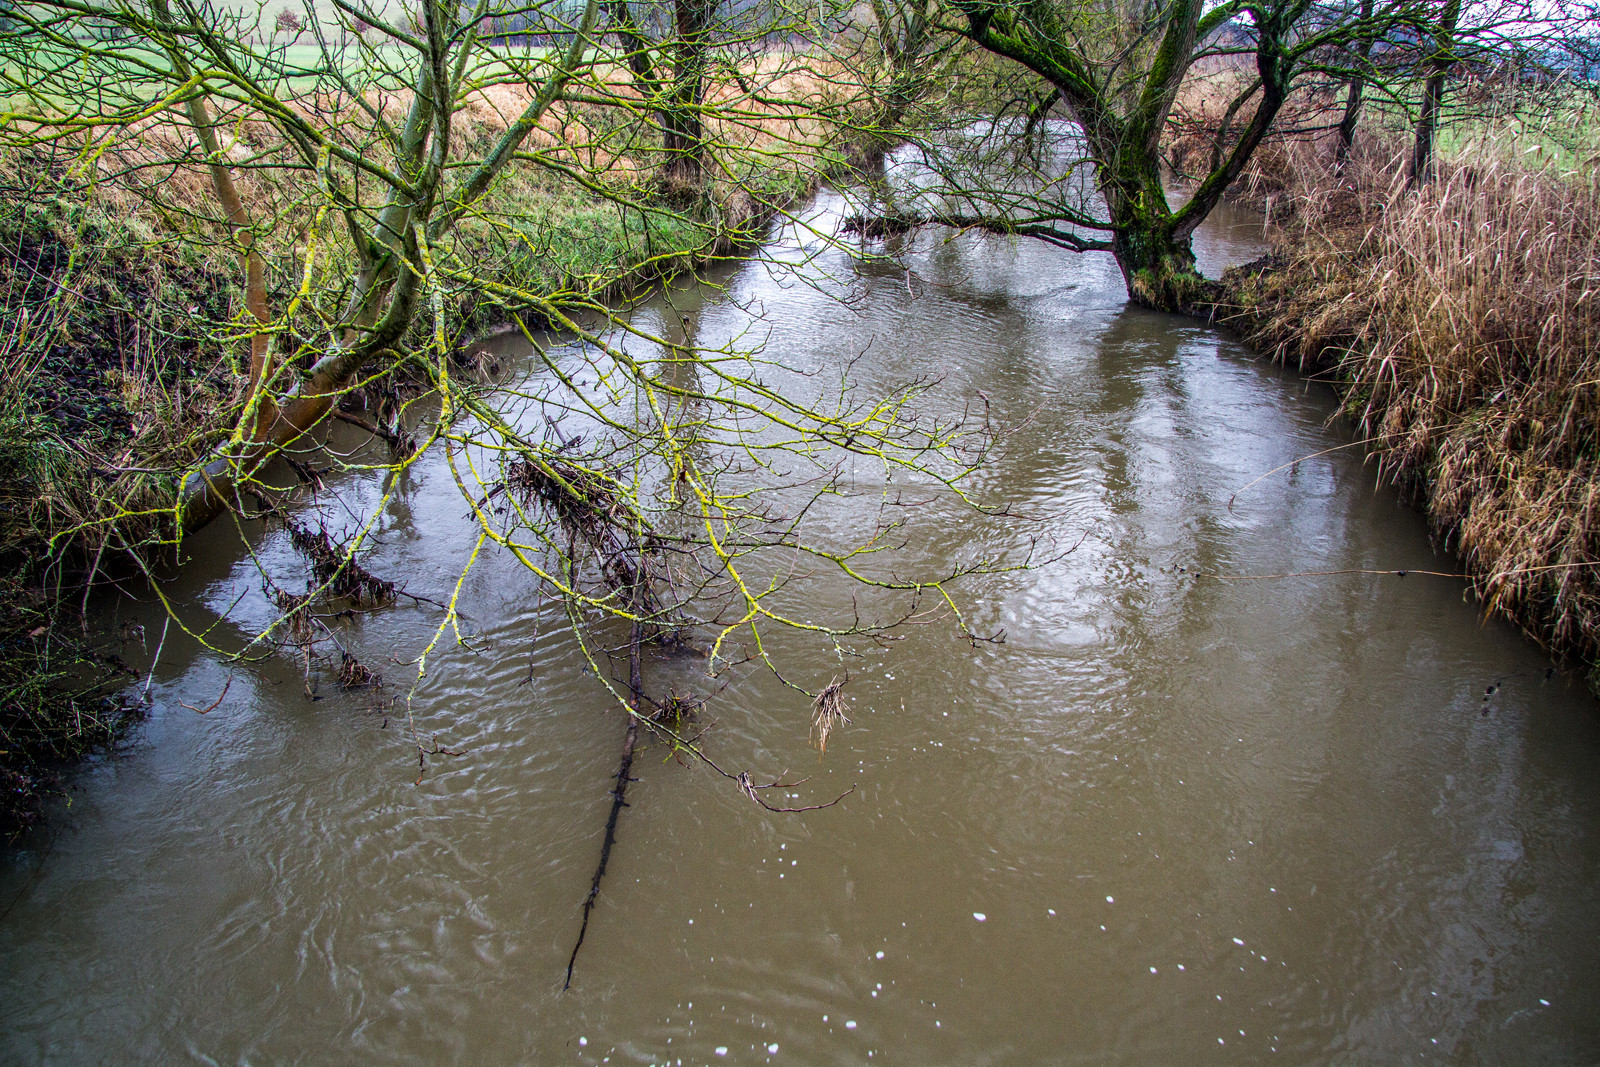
(335, 568)
(592, 513)
(353, 674)
(586, 505)
(1461, 320)
(828, 712)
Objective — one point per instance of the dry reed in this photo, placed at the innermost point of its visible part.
(828, 712)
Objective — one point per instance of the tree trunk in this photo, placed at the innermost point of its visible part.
(1352, 101)
(684, 142)
(1433, 94)
(1158, 264)
(1347, 126)
(682, 177)
(1158, 268)
(240, 232)
(1427, 126)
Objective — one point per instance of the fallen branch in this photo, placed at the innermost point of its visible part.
(619, 794)
(400, 443)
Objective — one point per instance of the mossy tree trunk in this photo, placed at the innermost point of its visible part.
(1158, 268)
(1156, 259)
(670, 75)
(1118, 71)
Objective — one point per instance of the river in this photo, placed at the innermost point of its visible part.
(1173, 817)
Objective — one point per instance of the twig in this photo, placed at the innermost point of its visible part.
(420, 599)
(212, 706)
(150, 673)
(88, 585)
(750, 788)
(1293, 462)
(1322, 574)
(533, 644)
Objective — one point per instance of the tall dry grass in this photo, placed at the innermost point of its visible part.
(1462, 322)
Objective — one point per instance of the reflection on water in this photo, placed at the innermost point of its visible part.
(1170, 818)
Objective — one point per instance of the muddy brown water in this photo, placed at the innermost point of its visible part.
(1170, 819)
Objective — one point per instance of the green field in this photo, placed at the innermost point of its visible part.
(124, 73)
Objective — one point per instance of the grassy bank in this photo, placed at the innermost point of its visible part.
(1460, 323)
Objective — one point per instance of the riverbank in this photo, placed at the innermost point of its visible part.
(1460, 324)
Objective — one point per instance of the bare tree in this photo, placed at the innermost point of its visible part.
(366, 205)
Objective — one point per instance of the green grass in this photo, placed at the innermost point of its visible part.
(1562, 135)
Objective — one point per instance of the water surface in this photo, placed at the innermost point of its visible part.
(1172, 818)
